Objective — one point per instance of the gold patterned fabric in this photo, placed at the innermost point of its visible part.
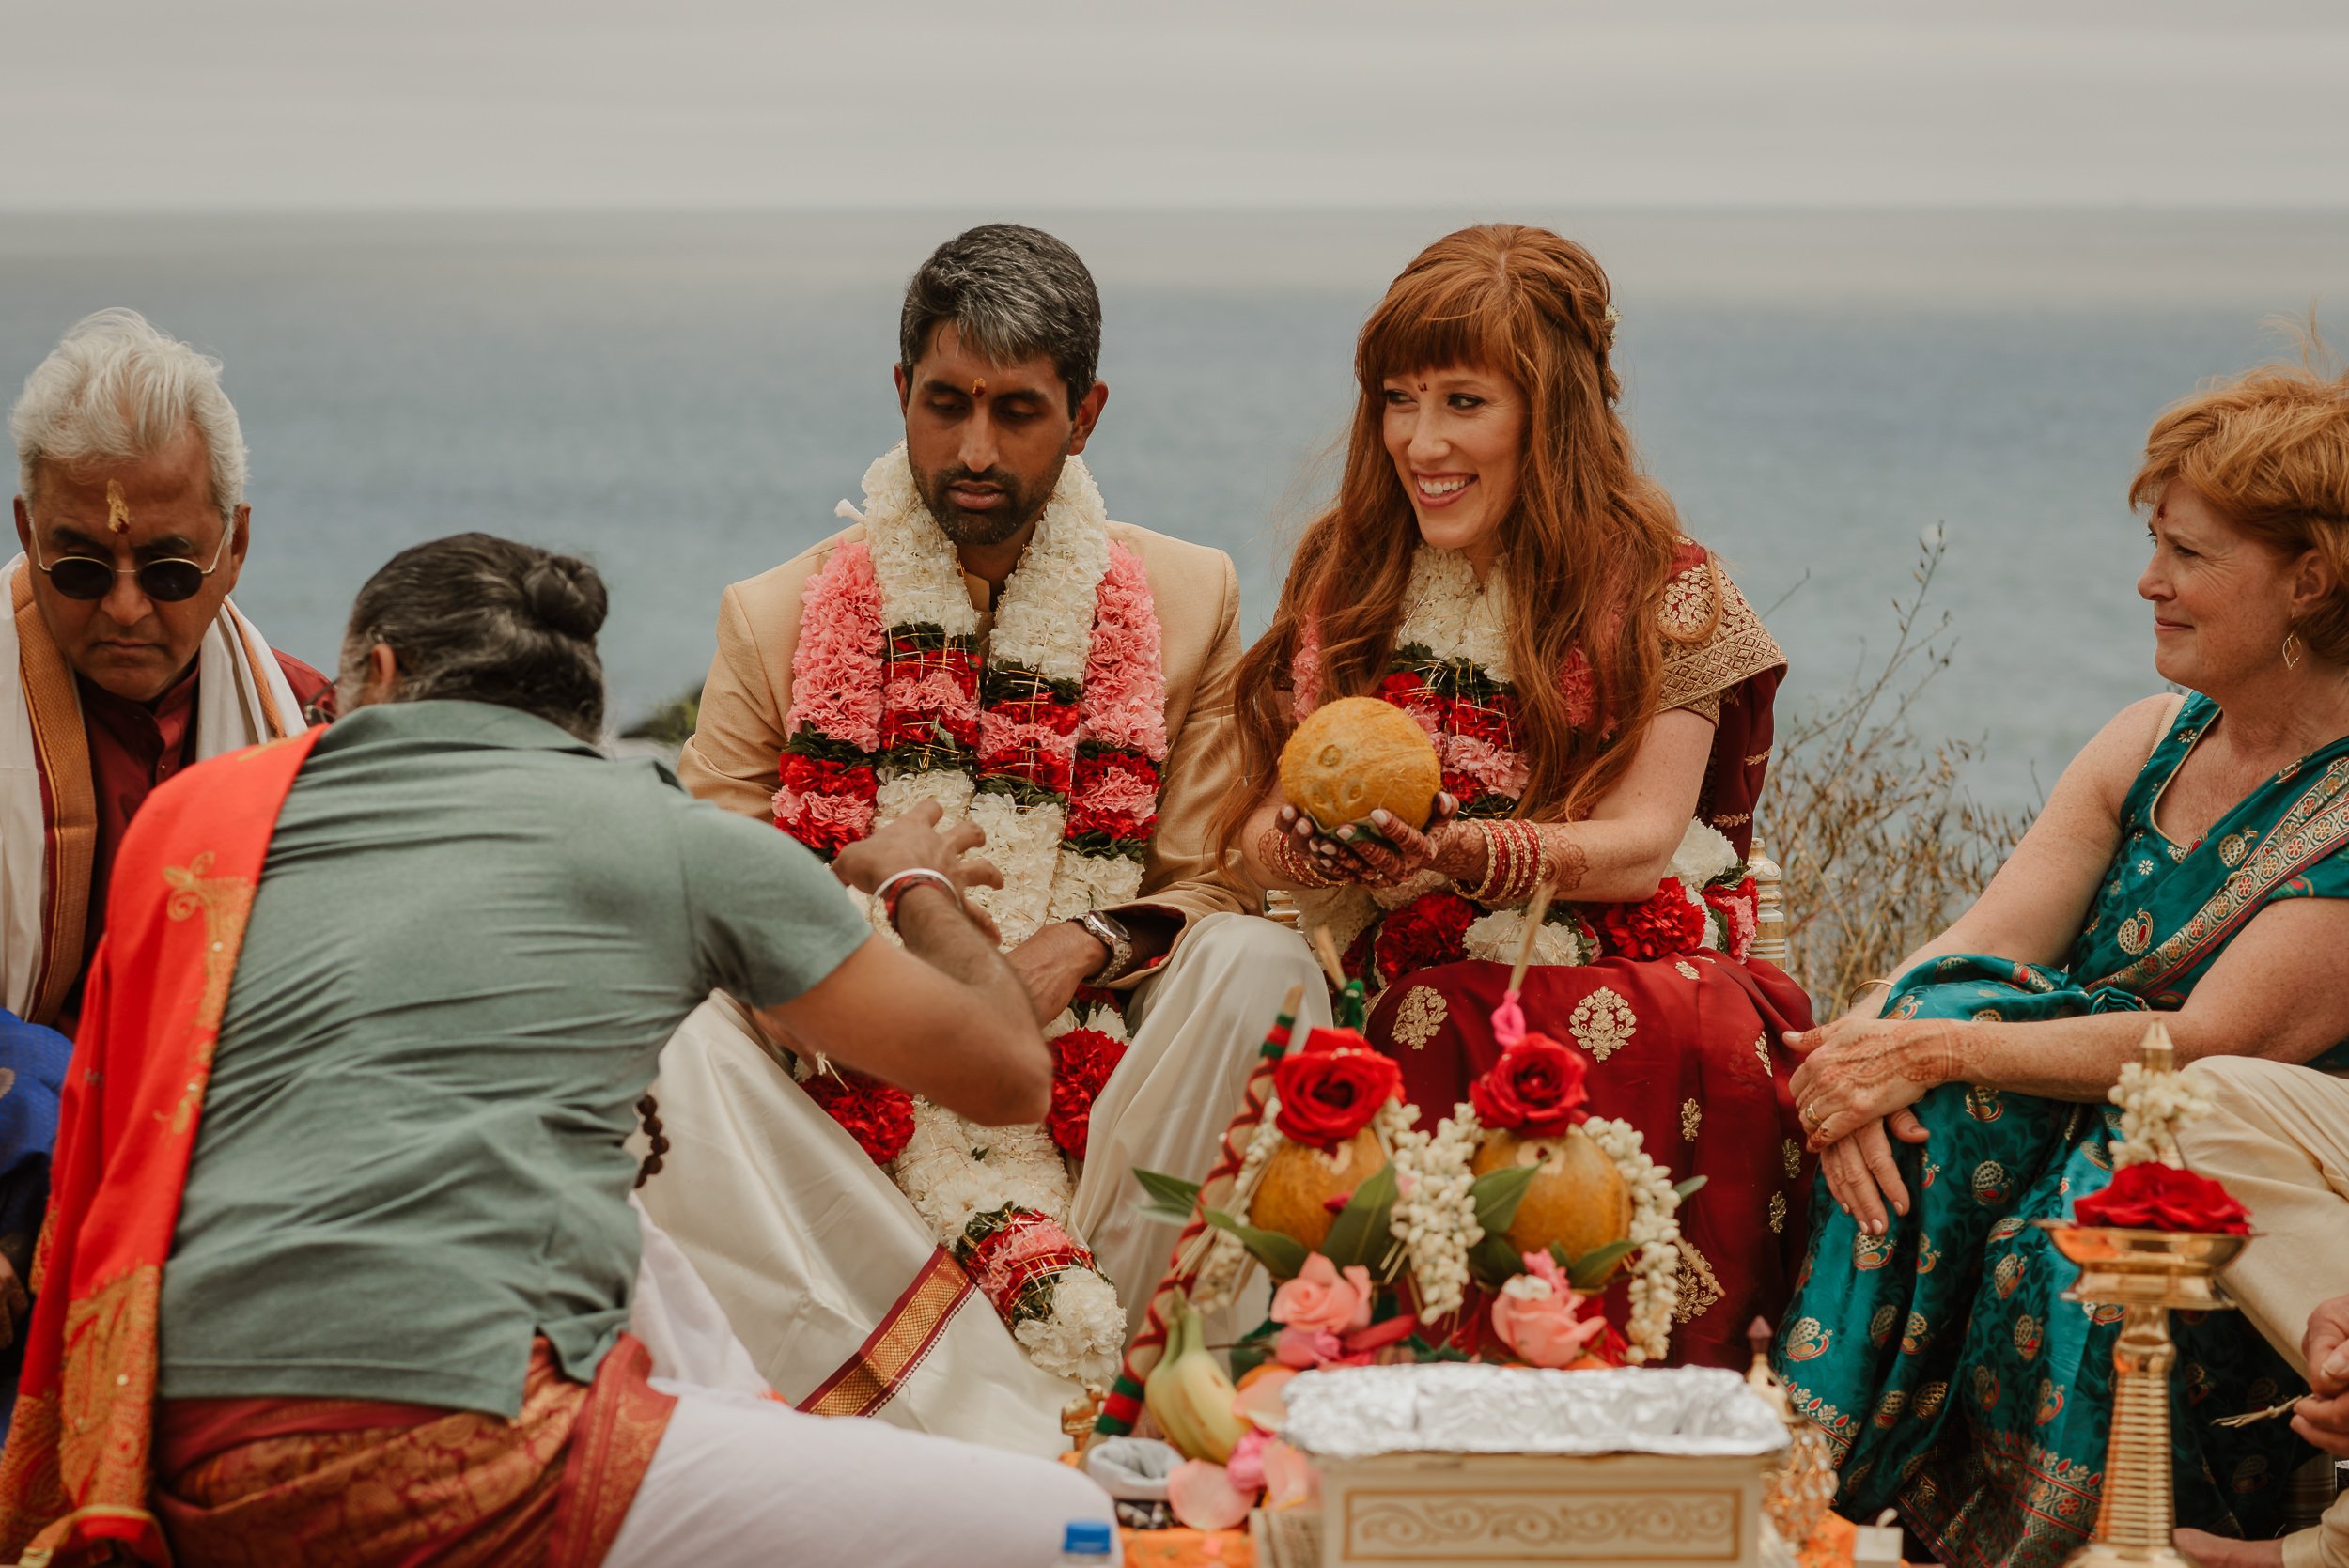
(1714, 640)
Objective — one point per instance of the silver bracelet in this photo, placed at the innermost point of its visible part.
(883, 895)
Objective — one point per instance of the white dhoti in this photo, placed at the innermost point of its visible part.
(834, 1282)
(2278, 1141)
(741, 1480)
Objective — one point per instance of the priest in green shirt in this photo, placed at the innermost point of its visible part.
(339, 1261)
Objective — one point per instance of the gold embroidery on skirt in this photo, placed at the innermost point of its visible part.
(1691, 1118)
(1602, 1023)
(1421, 1014)
(1700, 1287)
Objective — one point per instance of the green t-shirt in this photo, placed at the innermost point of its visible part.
(472, 938)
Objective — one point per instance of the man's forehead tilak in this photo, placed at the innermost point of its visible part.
(118, 508)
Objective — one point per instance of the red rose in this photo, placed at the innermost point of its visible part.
(1534, 1090)
(2156, 1197)
(879, 1116)
(1666, 926)
(1431, 929)
(1331, 1089)
(1082, 1060)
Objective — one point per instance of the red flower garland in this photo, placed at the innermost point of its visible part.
(1082, 1060)
(1431, 929)
(879, 1116)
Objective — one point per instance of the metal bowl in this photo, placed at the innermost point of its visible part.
(2154, 1268)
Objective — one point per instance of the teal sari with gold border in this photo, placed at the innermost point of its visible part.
(1950, 1377)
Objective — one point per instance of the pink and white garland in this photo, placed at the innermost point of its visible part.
(1052, 744)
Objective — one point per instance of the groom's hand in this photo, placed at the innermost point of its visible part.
(2323, 1418)
(1054, 963)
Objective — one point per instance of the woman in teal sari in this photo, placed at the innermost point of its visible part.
(2190, 862)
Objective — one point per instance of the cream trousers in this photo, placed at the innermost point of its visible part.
(807, 1244)
(2279, 1141)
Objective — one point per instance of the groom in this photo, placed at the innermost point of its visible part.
(984, 636)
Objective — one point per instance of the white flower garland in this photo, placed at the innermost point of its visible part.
(1446, 611)
(1043, 622)
(1435, 1218)
(1655, 1230)
(2154, 1106)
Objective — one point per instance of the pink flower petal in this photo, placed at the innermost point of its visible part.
(1289, 1478)
(1202, 1496)
(1263, 1403)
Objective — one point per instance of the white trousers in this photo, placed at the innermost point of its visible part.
(740, 1479)
(2278, 1141)
(808, 1246)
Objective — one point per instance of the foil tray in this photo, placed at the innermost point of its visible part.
(1464, 1407)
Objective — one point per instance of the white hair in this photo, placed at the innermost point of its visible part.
(115, 390)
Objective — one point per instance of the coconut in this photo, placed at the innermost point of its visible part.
(1356, 755)
(1577, 1200)
(1300, 1180)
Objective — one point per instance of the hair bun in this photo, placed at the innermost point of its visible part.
(567, 594)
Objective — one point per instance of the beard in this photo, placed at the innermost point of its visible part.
(1023, 503)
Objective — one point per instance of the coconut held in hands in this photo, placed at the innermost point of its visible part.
(1356, 755)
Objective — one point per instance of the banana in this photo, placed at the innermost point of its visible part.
(1190, 1393)
(1159, 1391)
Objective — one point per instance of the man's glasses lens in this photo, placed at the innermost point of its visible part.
(165, 582)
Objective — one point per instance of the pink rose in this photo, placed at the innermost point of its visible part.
(1307, 1348)
(1318, 1299)
(1245, 1468)
(1537, 1315)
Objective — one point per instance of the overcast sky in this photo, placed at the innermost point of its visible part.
(503, 104)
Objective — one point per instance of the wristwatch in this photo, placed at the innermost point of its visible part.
(1109, 934)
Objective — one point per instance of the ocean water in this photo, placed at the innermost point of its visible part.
(685, 398)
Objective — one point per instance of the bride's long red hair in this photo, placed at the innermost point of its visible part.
(1588, 546)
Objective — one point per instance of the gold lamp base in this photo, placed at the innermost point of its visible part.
(2150, 1273)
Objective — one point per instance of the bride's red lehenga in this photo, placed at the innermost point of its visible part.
(1681, 1025)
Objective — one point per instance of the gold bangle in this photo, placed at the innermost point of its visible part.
(1883, 980)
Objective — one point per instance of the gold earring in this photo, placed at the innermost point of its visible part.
(2291, 656)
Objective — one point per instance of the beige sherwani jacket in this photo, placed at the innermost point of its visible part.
(734, 756)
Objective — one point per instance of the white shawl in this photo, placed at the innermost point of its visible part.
(238, 684)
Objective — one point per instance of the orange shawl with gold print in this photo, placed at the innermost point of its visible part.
(78, 1470)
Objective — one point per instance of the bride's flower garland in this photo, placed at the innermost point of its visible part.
(1451, 671)
(1052, 744)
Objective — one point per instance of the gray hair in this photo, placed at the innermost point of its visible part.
(115, 389)
(1013, 293)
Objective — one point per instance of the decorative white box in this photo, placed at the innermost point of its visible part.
(1461, 1466)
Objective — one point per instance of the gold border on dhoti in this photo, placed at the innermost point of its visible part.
(871, 1377)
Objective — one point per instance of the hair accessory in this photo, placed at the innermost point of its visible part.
(1613, 319)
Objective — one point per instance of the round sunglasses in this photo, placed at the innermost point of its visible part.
(165, 582)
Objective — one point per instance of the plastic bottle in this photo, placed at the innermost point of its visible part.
(1085, 1544)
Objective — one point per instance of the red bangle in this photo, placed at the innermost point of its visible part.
(893, 888)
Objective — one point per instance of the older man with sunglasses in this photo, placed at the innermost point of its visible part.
(130, 662)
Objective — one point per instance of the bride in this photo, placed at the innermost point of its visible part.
(1599, 695)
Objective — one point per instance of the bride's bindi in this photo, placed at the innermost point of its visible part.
(117, 509)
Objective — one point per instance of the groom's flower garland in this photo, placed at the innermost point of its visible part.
(1052, 745)
(1451, 671)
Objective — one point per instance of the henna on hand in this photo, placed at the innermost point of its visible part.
(1569, 862)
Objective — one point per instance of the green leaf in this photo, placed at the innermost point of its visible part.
(1691, 1184)
(1590, 1271)
(1498, 1193)
(1495, 1262)
(1167, 1197)
(1359, 1234)
(1422, 1351)
(1281, 1254)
